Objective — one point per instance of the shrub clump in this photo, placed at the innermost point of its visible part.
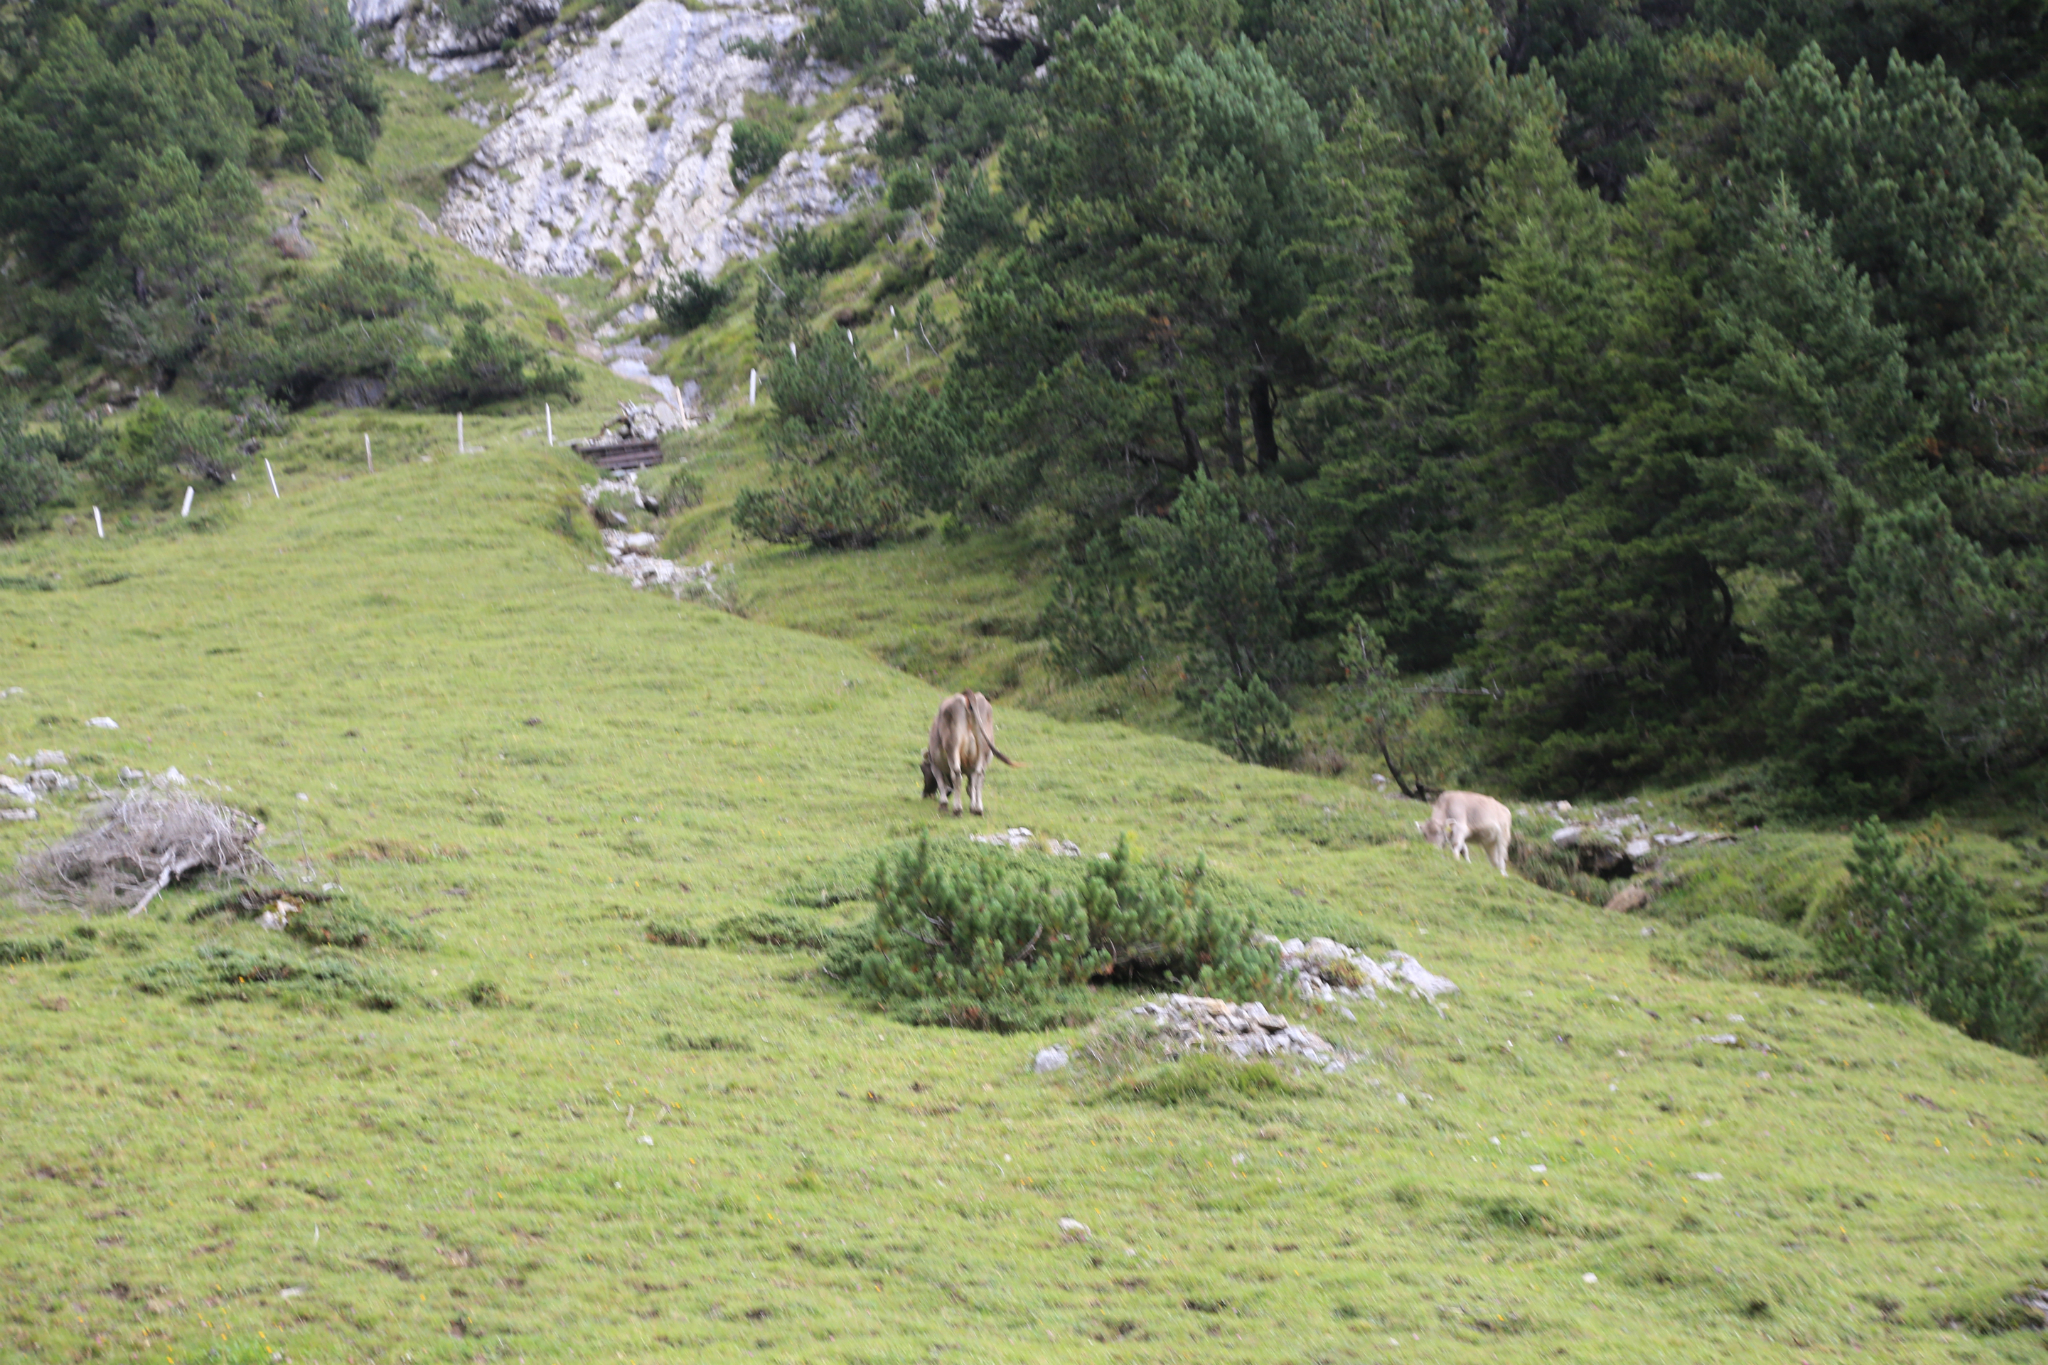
(484, 366)
(987, 945)
(686, 301)
(31, 472)
(756, 147)
(1911, 927)
(831, 509)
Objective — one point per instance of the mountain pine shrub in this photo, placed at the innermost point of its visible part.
(981, 943)
(1911, 927)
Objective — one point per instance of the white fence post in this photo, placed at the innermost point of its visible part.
(186, 510)
(461, 447)
(368, 458)
(273, 479)
(549, 408)
(97, 524)
(753, 385)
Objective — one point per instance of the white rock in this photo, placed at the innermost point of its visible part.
(1425, 983)
(1074, 1230)
(512, 202)
(1706, 1175)
(48, 758)
(647, 1139)
(103, 723)
(1049, 1059)
(20, 790)
(1638, 848)
(641, 543)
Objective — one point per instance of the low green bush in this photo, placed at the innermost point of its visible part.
(484, 366)
(160, 438)
(31, 478)
(984, 943)
(676, 935)
(1250, 723)
(756, 147)
(1096, 623)
(685, 301)
(1910, 926)
(830, 509)
(910, 187)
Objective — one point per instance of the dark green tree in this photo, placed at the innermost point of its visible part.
(1944, 216)
(1223, 570)
(1384, 513)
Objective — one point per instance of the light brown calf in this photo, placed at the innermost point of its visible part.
(1459, 817)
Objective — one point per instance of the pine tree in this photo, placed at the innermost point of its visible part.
(1384, 503)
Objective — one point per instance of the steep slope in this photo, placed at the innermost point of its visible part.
(568, 1143)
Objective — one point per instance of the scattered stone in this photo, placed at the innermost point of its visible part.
(1719, 1039)
(640, 543)
(1324, 969)
(1049, 1059)
(103, 723)
(1074, 1230)
(19, 790)
(1021, 838)
(13, 814)
(48, 758)
(1629, 899)
(50, 780)
(647, 1139)
(1706, 1175)
(1590, 1278)
(1196, 1023)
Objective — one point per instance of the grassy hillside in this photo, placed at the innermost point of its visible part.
(626, 1151)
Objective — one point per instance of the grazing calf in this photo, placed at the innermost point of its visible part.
(1462, 817)
(963, 739)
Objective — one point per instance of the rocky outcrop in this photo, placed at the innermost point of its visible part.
(627, 149)
(419, 34)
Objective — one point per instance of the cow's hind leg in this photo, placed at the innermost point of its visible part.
(974, 789)
(958, 781)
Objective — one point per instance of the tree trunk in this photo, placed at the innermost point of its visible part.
(1262, 423)
(1233, 430)
(1187, 435)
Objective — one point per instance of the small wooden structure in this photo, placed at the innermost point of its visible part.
(614, 455)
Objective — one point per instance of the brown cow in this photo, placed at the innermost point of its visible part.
(963, 739)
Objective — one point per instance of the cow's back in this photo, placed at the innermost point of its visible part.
(1474, 810)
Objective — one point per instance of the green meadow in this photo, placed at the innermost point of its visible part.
(509, 1126)
(468, 1109)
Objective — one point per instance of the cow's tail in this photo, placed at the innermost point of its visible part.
(987, 738)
